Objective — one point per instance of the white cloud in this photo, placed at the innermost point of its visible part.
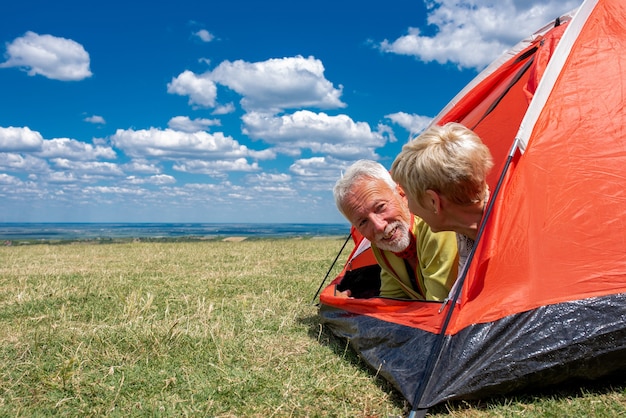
(268, 178)
(27, 141)
(14, 162)
(21, 191)
(208, 186)
(280, 83)
(19, 139)
(176, 144)
(224, 109)
(472, 33)
(185, 124)
(316, 167)
(334, 135)
(158, 179)
(116, 190)
(308, 167)
(201, 89)
(142, 166)
(216, 167)
(50, 56)
(275, 191)
(74, 150)
(277, 185)
(95, 119)
(317, 173)
(269, 86)
(60, 177)
(205, 35)
(412, 123)
(88, 168)
(6, 179)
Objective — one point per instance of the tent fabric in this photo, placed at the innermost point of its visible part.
(544, 297)
(492, 358)
(562, 210)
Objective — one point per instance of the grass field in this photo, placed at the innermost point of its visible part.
(218, 329)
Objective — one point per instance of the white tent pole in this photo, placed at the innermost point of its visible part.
(553, 69)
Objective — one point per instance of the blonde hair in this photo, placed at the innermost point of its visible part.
(450, 160)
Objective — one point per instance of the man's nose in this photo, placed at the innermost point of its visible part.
(379, 223)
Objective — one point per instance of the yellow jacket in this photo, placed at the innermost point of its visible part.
(437, 266)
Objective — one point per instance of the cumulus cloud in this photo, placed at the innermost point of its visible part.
(157, 179)
(268, 86)
(201, 90)
(50, 56)
(176, 144)
(89, 168)
(278, 185)
(216, 167)
(74, 150)
(224, 109)
(22, 139)
(308, 167)
(60, 177)
(472, 33)
(318, 173)
(142, 166)
(337, 135)
(185, 124)
(412, 123)
(277, 191)
(9, 180)
(268, 178)
(280, 83)
(22, 163)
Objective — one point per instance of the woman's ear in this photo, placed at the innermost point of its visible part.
(432, 201)
(400, 190)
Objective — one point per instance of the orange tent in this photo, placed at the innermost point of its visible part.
(543, 298)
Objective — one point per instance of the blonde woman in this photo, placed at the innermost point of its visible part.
(443, 173)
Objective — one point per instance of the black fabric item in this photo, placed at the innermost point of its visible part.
(363, 282)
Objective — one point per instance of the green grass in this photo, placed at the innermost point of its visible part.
(220, 329)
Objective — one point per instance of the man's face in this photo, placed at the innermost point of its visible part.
(379, 213)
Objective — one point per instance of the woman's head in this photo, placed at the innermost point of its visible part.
(450, 160)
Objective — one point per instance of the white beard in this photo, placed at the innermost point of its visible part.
(398, 244)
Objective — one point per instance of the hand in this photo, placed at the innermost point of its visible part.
(345, 294)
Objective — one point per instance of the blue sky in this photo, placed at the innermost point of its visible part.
(232, 111)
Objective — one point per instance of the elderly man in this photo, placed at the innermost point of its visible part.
(416, 263)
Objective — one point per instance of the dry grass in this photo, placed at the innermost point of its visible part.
(222, 329)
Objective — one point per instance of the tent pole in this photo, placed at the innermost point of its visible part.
(433, 358)
(331, 267)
